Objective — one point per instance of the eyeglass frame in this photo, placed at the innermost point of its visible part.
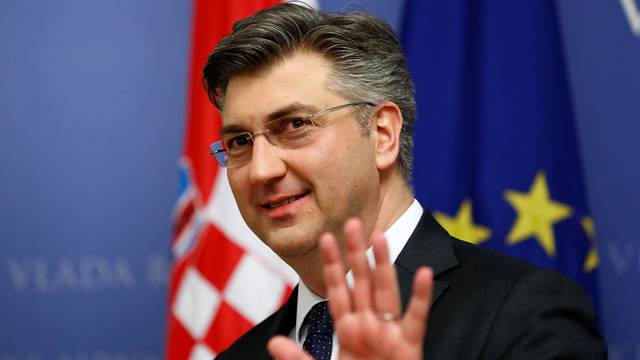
(219, 146)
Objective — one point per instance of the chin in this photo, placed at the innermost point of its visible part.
(289, 243)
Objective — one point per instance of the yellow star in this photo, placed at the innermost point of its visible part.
(462, 226)
(537, 214)
(592, 260)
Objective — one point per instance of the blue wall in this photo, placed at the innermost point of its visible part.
(92, 118)
(603, 55)
(91, 125)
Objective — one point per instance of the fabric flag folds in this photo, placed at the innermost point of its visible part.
(223, 279)
(496, 153)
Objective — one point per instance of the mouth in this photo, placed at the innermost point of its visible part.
(283, 202)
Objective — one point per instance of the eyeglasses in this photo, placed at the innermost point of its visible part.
(289, 132)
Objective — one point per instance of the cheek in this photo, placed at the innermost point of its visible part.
(338, 164)
(238, 186)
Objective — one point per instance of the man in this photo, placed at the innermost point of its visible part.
(318, 113)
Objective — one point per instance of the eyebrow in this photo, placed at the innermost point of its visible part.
(231, 129)
(278, 113)
(288, 109)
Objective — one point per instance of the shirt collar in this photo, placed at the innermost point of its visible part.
(397, 236)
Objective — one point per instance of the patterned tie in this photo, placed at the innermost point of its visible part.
(320, 332)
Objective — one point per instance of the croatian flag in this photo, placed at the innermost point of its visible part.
(224, 280)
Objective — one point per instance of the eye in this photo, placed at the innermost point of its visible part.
(239, 141)
(296, 123)
(289, 125)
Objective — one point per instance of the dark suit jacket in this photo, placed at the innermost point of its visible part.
(485, 306)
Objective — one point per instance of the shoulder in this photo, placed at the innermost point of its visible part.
(253, 344)
(501, 269)
(530, 312)
(501, 279)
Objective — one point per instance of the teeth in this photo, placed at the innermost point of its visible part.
(284, 202)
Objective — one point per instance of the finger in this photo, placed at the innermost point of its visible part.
(337, 290)
(356, 248)
(414, 322)
(386, 294)
(283, 348)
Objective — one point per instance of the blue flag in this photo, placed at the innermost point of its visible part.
(496, 153)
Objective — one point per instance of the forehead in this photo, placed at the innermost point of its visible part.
(302, 78)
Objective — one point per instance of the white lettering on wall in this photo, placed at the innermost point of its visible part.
(86, 273)
(158, 268)
(632, 12)
(624, 257)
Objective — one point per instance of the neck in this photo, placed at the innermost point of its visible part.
(395, 199)
(309, 268)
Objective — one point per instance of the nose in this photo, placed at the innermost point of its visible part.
(266, 162)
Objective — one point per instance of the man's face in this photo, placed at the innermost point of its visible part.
(289, 197)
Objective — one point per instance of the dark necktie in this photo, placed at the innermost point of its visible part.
(320, 332)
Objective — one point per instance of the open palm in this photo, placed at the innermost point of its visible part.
(366, 318)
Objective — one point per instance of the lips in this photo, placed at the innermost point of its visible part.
(276, 203)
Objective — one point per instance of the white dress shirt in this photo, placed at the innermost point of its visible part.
(397, 236)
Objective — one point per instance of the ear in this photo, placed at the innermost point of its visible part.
(386, 127)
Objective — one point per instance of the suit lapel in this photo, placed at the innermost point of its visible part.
(280, 323)
(428, 245)
(286, 318)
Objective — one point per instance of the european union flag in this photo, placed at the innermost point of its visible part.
(496, 154)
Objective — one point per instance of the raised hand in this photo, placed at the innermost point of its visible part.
(367, 318)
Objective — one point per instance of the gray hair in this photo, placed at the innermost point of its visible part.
(368, 63)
